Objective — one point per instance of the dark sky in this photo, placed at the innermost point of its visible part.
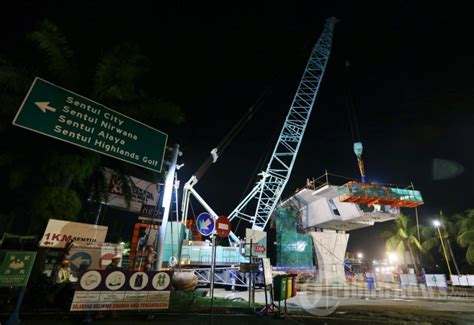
(410, 78)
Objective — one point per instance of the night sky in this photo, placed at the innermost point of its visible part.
(410, 78)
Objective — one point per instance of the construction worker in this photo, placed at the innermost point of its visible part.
(150, 258)
(62, 291)
(64, 272)
(115, 264)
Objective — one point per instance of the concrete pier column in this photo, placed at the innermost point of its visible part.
(330, 248)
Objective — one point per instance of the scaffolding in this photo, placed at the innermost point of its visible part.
(293, 248)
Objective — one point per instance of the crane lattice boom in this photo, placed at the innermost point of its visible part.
(264, 197)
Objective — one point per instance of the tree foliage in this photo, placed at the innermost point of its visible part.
(465, 235)
(61, 175)
(457, 233)
(403, 238)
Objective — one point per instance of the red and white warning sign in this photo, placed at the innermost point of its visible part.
(223, 226)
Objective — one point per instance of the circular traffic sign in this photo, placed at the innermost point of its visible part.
(205, 224)
(223, 226)
(105, 260)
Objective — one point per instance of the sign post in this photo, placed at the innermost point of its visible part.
(223, 227)
(61, 114)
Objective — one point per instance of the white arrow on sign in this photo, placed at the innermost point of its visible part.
(78, 261)
(206, 223)
(43, 106)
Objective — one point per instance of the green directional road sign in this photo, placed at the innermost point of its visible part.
(59, 113)
(16, 268)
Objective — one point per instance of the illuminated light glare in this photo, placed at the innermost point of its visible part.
(360, 255)
(392, 257)
(436, 223)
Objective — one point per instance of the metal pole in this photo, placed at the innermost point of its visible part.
(444, 251)
(250, 273)
(15, 317)
(176, 187)
(166, 204)
(452, 256)
(97, 216)
(417, 223)
(213, 269)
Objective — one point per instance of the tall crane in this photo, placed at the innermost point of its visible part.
(258, 206)
(266, 193)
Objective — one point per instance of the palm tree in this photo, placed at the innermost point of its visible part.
(449, 230)
(465, 236)
(57, 174)
(403, 237)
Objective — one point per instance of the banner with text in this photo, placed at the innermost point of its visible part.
(59, 232)
(122, 290)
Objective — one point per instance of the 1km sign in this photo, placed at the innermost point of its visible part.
(61, 114)
(59, 232)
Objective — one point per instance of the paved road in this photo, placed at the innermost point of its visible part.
(310, 307)
(397, 305)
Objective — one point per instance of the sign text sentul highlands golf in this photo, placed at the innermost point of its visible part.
(64, 115)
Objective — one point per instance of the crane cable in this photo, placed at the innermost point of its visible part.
(354, 125)
(259, 166)
(232, 133)
(351, 114)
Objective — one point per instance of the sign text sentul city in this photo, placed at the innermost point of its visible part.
(64, 115)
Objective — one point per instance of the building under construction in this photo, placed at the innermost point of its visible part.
(313, 224)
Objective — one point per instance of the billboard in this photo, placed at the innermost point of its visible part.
(59, 232)
(122, 290)
(144, 193)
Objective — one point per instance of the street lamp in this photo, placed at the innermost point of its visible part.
(360, 255)
(392, 258)
(437, 224)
